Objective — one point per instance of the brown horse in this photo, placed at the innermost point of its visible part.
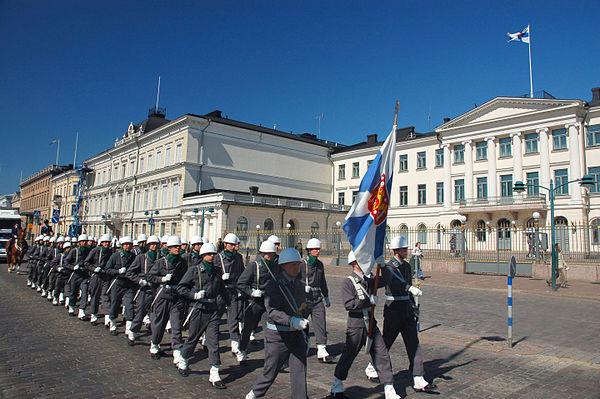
(14, 255)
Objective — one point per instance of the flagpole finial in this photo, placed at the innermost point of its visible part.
(396, 112)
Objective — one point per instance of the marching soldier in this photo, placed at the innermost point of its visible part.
(358, 296)
(135, 250)
(142, 239)
(62, 274)
(312, 273)
(232, 266)
(79, 276)
(184, 246)
(167, 305)
(286, 335)
(164, 250)
(252, 283)
(194, 255)
(121, 289)
(52, 272)
(47, 265)
(95, 263)
(137, 273)
(32, 260)
(42, 257)
(399, 311)
(275, 240)
(203, 285)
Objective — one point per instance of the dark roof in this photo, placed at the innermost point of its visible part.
(217, 190)
(216, 116)
(402, 134)
(156, 118)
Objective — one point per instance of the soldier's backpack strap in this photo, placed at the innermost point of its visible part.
(360, 290)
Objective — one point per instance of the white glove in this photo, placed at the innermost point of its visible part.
(122, 270)
(225, 276)
(256, 293)
(298, 323)
(97, 270)
(373, 299)
(307, 289)
(327, 303)
(60, 269)
(76, 267)
(199, 295)
(166, 278)
(415, 291)
(143, 283)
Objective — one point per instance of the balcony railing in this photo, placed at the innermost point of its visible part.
(515, 200)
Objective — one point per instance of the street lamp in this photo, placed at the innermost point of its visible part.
(257, 237)
(151, 221)
(536, 242)
(463, 244)
(287, 239)
(339, 243)
(196, 210)
(519, 187)
(105, 219)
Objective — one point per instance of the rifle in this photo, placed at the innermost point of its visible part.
(372, 317)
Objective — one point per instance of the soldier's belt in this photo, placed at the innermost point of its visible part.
(315, 289)
(277, 327)
(207, 300)
(396, 298)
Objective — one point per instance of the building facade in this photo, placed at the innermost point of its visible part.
(64, 197)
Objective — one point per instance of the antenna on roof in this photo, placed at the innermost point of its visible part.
(429, 117)
(319, 117)
(158, 92)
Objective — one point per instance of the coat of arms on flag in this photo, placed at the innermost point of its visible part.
(520, 36)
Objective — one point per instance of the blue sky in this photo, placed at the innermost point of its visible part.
(92, 67)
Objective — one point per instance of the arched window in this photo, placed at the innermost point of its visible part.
(595, 227)
(241, 229)
(314, 230)
(268, 226)
(530, 224)
(422, 233)
(404, 231)
(438, 234)
(456, 224)
(561, 221)
(388, 235)
(480, 231)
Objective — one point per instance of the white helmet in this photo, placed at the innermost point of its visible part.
(125, 240)
(173, 241)
(205, 240)
(153, 240)
(47, 238)
(268, 246)
(196, 240)
(351, 257)
(274, 239)
(73, 239)
(60, 239)
(82, 237)
(231, 238)
(135, 243)
(93, 238)
(53, 239)
(164, 239)
(289, 255)
(313, 243)
(183, 241)
(142, 237)
(208, 249)
(398, 242)
(67, 244)
(105, 237)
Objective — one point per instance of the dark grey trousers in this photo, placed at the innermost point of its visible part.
(164, 310)
(318, 323)
(96, 293)
(355, 340)
(202, 321)
(79, 283)
(125, 295)
(61, 282)
(234, 317)
(51, 280)
(254, 312)
(279, 347)
(394, 323)
(142, 307)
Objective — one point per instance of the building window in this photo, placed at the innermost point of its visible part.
(505, 147)
(158, 160)
(162, 229)
(559, 139)
(165, 196)
(176, 194)
(421, 160)
(132, 168)
(506, 185)
(595, 173)
(533, 179)
(369, 162)
(439, 158)
(531, 143)
(178, 153)
(146, 196)
(314, 230)
(354, 195)
(422, 194)
(561, 176)
(593, 135)
(403, 195)
(439, 190)
(355, 170)
(403, 163)
(481, 150)
(174, 228)
(480, 231)
(168, 156)
(74, 190)
(141, 165)
(241, 229)
(123, 170)
(595, 227)
(422, 233)
(150, 163)
(154, 197)
(341, 198)
(268, 226)
(482, 188)
(341, 172)
(459, 190)
(459, 153)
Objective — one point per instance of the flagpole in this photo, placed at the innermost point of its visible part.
(75, 156)
(530, 69)
(57, 150)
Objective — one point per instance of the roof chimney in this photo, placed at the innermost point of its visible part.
(215, 114)
(253, 190)
(595, 96)
(446, 120)
(371, 138)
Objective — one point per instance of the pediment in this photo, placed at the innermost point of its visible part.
(505, 108)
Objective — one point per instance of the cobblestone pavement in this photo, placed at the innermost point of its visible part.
(556, 354)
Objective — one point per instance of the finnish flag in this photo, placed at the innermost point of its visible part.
(366, 221)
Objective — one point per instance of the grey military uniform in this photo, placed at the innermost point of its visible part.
(79, 277)
(313, 275)
(99, 281)
(122, 290)
(233, 264)
(139, 270)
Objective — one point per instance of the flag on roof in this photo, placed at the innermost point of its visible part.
(366, 221)
(520, 36)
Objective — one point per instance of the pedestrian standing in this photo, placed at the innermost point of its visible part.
(100, 280)
(418, 254)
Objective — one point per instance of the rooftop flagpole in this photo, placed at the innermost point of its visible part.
(530, 69)
(75, 156)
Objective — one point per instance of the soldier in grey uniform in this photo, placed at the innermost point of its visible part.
(312, 273)
(52, 272)
(79, 276)
(62, 274)
(358, 295)
(168, 304)
(252, 283)
(142, 243)
(47, 266)
(232, 265)
(137, 273)
(32, 260)
(194, 255)
(121, 290)
(95, 263)
(286, 335)
(42, 258)
(203, 286)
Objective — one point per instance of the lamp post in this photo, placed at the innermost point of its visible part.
(196, 210)
(339, 242)
(105, 219)
(519, 187)
(257, 237)
(151, 221)
(536, 239)
(463, 244)
(287, 238)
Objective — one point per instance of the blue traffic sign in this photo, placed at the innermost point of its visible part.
(37, 214)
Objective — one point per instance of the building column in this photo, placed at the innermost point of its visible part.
(517, 156)
(574, 162)
(468, 170)
(491, 177)
(195, 226)
(544, 157)
(184, 227)
(447, 177)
